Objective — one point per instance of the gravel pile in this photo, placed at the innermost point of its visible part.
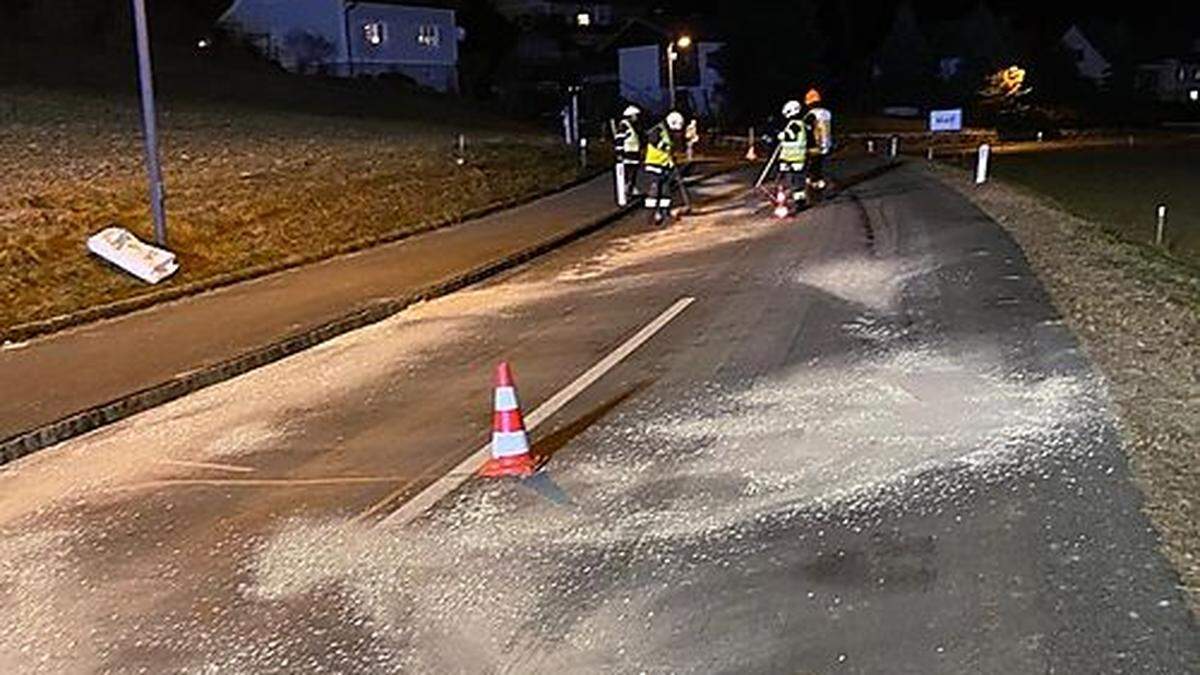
(1137, 314)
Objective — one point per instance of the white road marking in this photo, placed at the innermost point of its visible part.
(443, 486)
(208, 465)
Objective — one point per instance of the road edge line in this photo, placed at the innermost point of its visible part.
(431, 495)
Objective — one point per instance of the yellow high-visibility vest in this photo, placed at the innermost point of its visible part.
(659, 147)
(627, 135)
(793, 143)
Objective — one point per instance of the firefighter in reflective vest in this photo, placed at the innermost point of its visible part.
(660, 165)
(793, 150)
(628, 148)
(819, 123)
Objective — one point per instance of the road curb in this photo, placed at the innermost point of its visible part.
(27, 442)
(33, 329)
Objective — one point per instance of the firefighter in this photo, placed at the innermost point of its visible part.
(628, 150)
(818, 122)
(793, 150)
(659, 165)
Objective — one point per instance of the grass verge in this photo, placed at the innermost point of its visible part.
(247, 188)
(1120, 187)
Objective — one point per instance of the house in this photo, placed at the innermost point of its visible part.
(1172, 79)
(636, 58)
(642, 72)
(579, 14)
(352, 39)
(1089, 60)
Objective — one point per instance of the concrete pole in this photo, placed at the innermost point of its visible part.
(150, 123)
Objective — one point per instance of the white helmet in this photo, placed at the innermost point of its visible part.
(791, 108)
(631, 111)
(675, 121)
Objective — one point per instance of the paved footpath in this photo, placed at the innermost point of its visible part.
(60, 375)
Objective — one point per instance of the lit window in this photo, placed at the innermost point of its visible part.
(583, 19)
(1194, 94)
(374, 33)
(429, 36)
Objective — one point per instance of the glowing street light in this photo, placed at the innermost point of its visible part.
(683, 42)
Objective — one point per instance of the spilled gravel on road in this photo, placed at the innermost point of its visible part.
(676, 484)
(47, 499)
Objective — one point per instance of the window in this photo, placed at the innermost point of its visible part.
(1194, 95)
(583, 19)
(429, 36)
(375, 33)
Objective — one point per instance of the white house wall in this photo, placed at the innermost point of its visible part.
(433, 66)
(1091, 64)
(638, 68)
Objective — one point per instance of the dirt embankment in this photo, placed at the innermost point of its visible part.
(1137, 314)
(246, 188)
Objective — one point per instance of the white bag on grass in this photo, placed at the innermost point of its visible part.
(144, 261)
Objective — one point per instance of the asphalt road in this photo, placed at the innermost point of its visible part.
(868, 445)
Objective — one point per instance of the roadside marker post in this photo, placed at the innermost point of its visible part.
(894, 148)
(1162, 224)
(870, 146)
(619, 176)
(981, 166)
(929, 153)
(462, 151)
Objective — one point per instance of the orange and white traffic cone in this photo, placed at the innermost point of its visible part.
(510, 443)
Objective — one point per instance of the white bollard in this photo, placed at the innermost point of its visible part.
(462, 150)
(894, 150)
(981, 166)
(619, 175)
(1162, 224)
(1041, 136)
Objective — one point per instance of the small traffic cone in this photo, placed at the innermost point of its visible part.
(510, 444)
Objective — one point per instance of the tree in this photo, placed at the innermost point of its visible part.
(490, 38)
(769, 57)
(308, 49)
(904, 61)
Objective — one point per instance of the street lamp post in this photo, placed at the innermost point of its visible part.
(150, 122)
(346, 7)
(684, 42)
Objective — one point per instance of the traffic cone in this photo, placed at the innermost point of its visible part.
(510, 444)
